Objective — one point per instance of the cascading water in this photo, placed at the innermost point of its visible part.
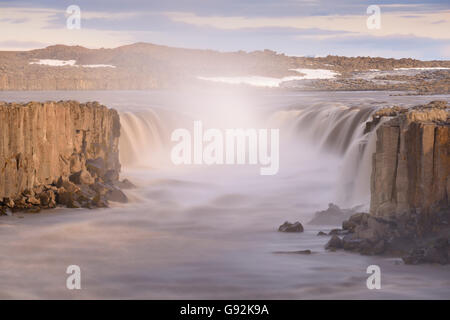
(143, 139)
(196, 232)
(336, 129)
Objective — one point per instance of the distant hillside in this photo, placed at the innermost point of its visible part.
(143, 66)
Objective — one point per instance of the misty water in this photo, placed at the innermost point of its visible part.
(210, 232)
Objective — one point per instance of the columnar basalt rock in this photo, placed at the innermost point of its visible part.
(46, 149)
(411, 165)
(410, 188)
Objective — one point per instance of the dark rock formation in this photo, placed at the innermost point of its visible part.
(291, 227)
(372, 235)
(333, 215)
(411, 165)
(334, 243)
(58, 153)
(307, 252)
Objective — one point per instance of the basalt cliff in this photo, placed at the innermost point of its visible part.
(58, 153)
(410, 188)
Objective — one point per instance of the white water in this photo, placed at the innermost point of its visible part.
(210, 232)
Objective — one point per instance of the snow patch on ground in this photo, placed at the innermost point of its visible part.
(72, 63)
(429, 68)
(258, 81)
(98, 66)
(54, 62)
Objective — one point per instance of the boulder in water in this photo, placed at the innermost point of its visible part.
(291, 227)
(334, 243)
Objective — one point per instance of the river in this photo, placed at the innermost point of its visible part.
(210, 232)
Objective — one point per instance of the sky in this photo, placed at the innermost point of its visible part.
(407, 29)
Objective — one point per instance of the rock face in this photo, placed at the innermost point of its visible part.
(291, 227)
(46, 149)
(333, 215)
(410, 188)
(411, 165)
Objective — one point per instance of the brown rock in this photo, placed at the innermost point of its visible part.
(411, 165)
(117, 195)
(55, 140)
(291, 227)
(334, 243)
(82, 177)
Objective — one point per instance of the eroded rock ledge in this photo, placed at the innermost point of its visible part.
(58, 153)
(410, 188)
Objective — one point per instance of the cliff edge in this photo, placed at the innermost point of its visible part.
(58, 153)
(411, 165)
(410, 188)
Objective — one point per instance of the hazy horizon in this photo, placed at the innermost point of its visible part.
(222, 51)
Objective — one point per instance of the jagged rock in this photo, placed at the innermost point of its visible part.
(87, 191)
(321, 233)
(124, 184)
(55, 140)
(333, 215)
(411, 165)
(337, 232)
(63, 196)
(9, 202)
(102, 188)
(33, 200)
(48, 199)
(349, 225)
(82, 177)
(96, 167)
(38, 189)
(116, 195)
(100, 202)
(64, 182)
(351, 244)
(334, 243)
(291, 227)
(111, 176)
(436, 252)
(73, 204)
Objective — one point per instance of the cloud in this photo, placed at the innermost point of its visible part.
(38, 24)
(14, 45)
(391, 23)
(408, 28)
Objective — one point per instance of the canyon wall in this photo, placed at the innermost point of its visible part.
(41, 143)
(411, 165)
(410, 188)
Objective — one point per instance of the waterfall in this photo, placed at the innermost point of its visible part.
(322, 129)
(339, 130)
(142, 140)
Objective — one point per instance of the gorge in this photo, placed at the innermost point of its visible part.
(197, 231)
